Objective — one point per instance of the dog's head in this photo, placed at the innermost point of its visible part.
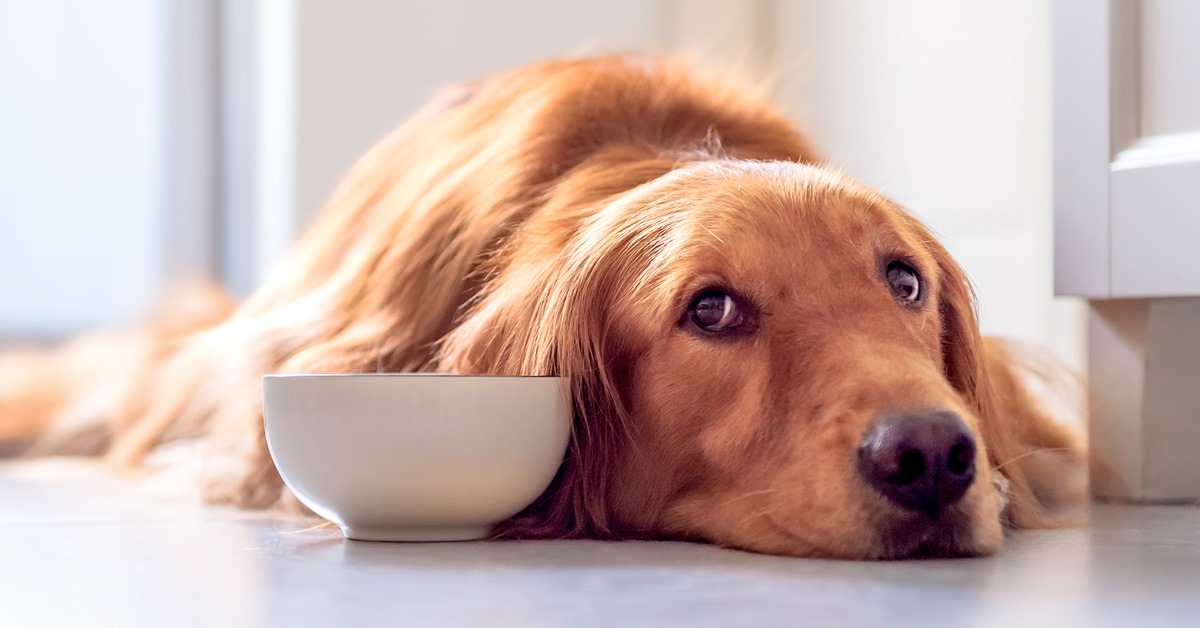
(764, 355)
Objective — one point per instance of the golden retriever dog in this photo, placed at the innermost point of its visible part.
(764, 354)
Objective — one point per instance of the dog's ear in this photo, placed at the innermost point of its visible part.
(543, 313)
(1039, 463)
(962, 345)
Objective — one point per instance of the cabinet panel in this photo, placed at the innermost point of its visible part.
(1170, 66)
(1127, 148)
(1081, 149)
(1155, 219)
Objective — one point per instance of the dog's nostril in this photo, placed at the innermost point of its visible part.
(923, 462)
(911, 467)
(962, 458)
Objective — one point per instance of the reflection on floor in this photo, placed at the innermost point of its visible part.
(79, 548)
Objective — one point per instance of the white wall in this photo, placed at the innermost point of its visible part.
(315, 83)
(363, 66)
(80, 162)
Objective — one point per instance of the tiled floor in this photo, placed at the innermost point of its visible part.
(78, 548)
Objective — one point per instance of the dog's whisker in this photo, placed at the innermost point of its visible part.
(714, 236)
(318, 526)
(1028, 454)
(756, 515)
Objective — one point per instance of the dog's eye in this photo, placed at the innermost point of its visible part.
(905, 283)
(714, 310)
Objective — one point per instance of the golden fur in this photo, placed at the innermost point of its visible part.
(558, 219)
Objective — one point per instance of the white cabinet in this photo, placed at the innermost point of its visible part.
(1127, 217)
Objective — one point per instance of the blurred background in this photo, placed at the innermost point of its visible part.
(145, 140)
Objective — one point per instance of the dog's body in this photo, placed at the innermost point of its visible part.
(738, 324)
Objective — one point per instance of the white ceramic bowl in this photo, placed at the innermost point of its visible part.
(416, 457)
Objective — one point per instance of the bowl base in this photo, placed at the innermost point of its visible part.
(416, 535)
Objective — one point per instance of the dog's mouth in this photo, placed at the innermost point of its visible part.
(920, 537)
(910, 537)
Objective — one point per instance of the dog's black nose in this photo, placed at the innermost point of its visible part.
(923, 462)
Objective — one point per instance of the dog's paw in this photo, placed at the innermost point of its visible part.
(241, 480)
(1059, 482)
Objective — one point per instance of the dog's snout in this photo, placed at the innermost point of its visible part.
(923, 461)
